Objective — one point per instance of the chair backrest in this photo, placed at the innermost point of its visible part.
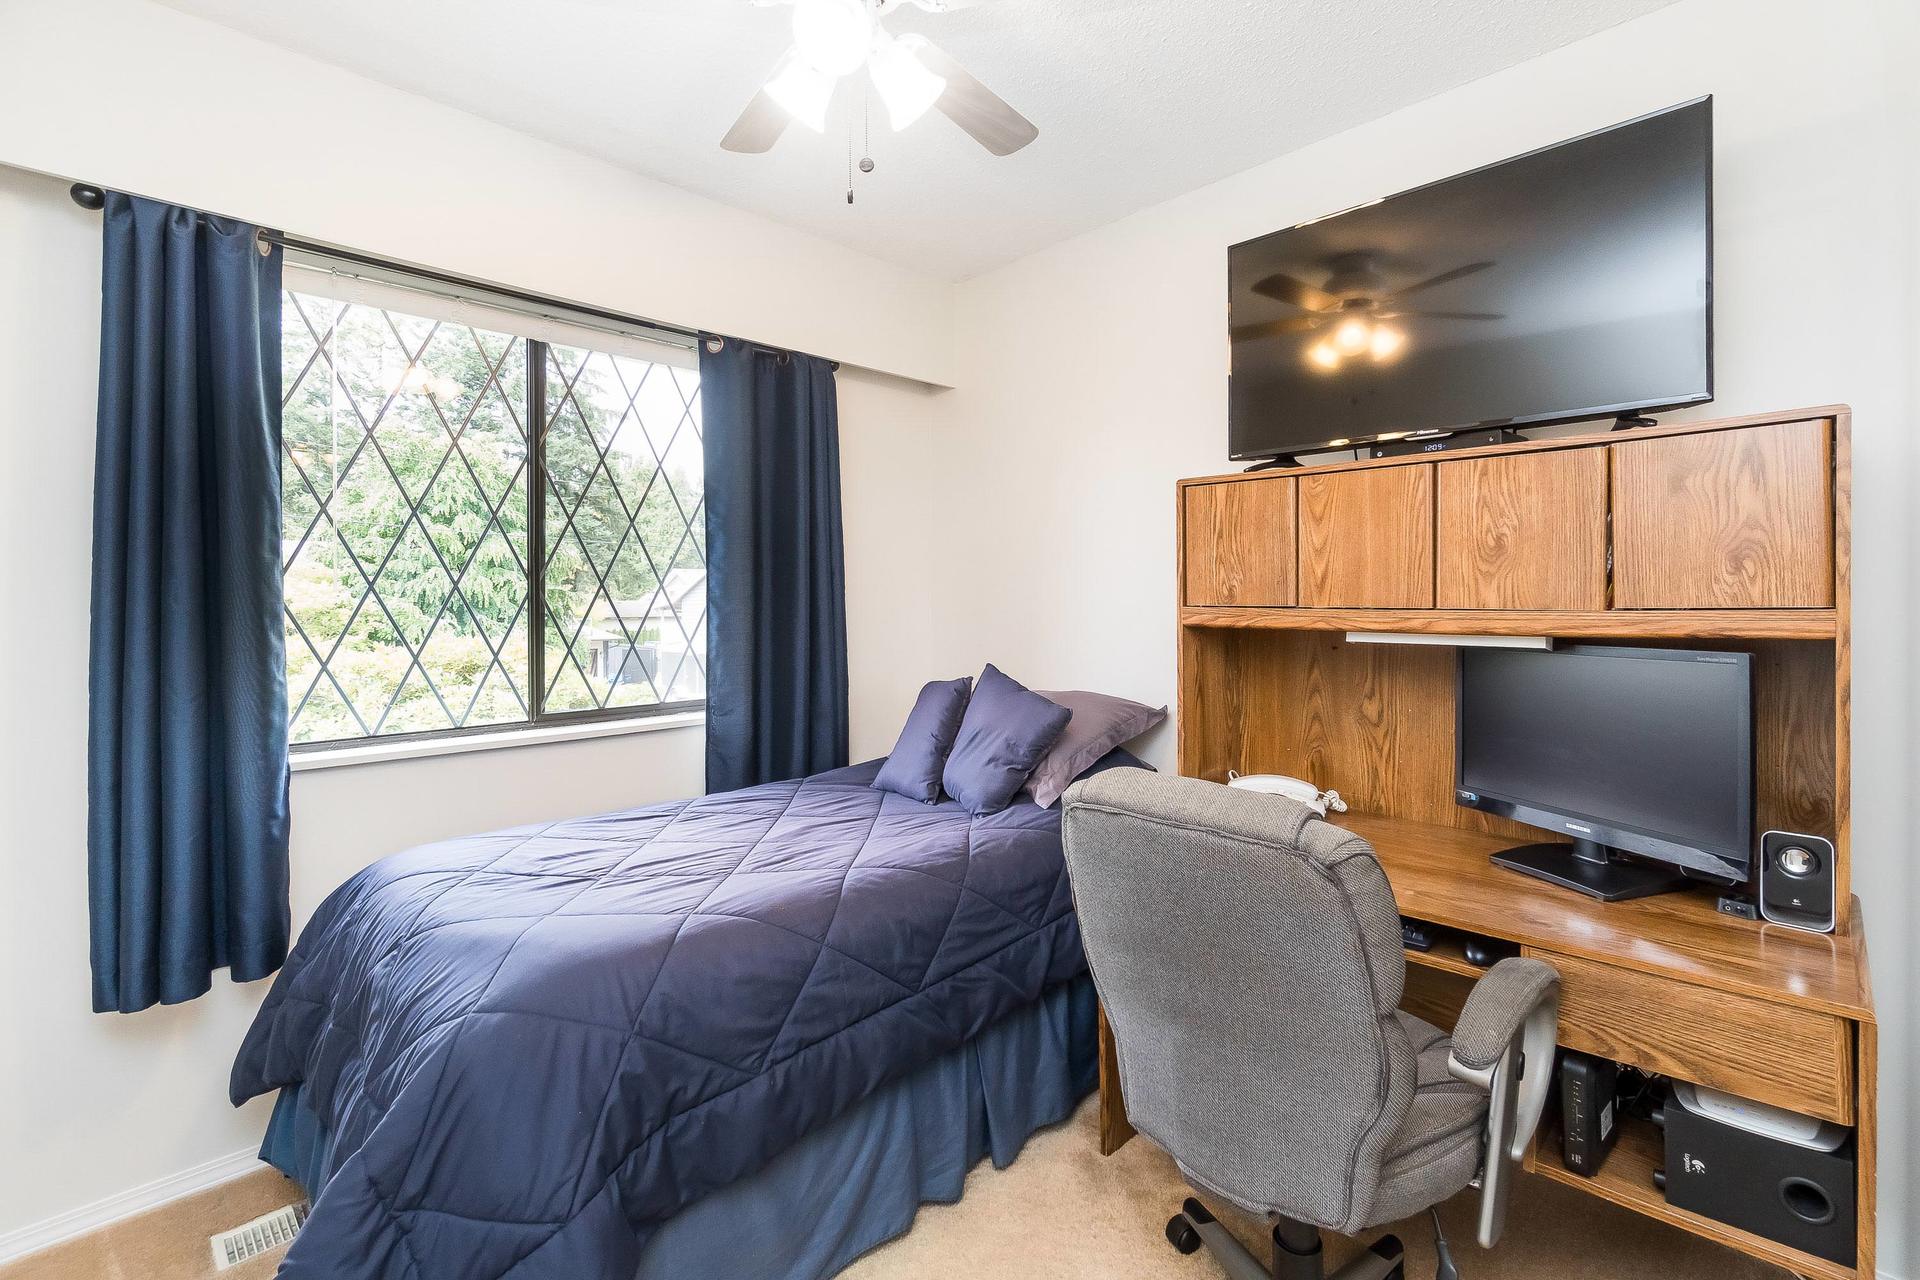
(1249, 961)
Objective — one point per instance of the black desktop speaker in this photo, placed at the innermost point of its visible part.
(1786, 1177)
(1796, 881)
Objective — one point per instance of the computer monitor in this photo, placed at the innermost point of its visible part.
(1643, 752)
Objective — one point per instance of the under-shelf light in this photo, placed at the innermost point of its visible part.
(1464, 642)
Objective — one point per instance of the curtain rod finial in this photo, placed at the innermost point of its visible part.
(88, 197)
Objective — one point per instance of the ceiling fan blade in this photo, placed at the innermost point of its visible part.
(758, 127)
(1284, 288)
(1449, 315)
(1443, 278)
(978, 110)
(1277, 328)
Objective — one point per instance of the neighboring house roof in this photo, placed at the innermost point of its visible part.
(678, 595)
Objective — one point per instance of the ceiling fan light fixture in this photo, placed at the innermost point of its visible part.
(905, 84)
(1324, 355)
(833, 36)
(1386, 343)
(1352, 335)
(803, 90)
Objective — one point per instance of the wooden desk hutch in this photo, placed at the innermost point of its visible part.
(1731, 534)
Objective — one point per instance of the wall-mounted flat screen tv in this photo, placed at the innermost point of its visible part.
(1572, 282)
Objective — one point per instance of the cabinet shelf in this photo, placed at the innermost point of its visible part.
(1626, 1179)
(1755, 624)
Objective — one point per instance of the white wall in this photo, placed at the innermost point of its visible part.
(94, 1106)
(132, 95)
(1094, 374)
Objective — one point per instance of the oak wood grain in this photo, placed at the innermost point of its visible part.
(1795, 752)
(1866, 1142)
(1599, 438)
(1843, 653)
(1373, 722)
(1522, 531)
(1800, 1059)
(1443, 874)
(1781, 624)
(1366, 539)
(1114, 1128)
(1732, 519)
(1433, 994)
(1239, 543)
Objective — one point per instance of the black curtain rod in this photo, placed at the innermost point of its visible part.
(92, 197)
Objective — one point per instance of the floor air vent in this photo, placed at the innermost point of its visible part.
(250, 1240)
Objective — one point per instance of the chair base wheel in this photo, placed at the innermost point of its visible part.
(1390, 1247)
(1181, 1235)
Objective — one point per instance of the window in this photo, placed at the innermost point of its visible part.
(424, 460)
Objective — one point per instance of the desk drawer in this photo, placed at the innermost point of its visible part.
(1793, 1058)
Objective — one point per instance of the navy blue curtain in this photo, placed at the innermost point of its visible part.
(187, 722)
(776, 577)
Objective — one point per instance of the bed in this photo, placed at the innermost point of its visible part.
(547, 1051)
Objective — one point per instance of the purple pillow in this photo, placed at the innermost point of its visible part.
(913, 767)
(1007, 728)
(1099, 724)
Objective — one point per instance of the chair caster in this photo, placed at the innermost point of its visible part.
(1390, 1247)
(1181, 1235)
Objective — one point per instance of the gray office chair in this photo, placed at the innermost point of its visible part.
(1248, 957)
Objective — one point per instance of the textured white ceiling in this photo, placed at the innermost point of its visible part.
(1137, 100)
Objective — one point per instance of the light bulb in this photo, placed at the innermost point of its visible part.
(904, 82)
(803, 90)
(1351, 335)
(1385, 343)
(833, 35)
(1324, 355)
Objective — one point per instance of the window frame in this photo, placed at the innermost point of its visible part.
(538, 415)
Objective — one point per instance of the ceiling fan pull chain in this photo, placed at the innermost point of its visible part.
(866, 128)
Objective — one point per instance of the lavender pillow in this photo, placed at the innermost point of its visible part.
(1100, 723)
(913, 767)
(1007, 728)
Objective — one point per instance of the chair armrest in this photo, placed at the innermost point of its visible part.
(1504, 1043)
(1496, 1007)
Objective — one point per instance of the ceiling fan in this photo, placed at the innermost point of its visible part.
(835, 38)
(1355, 303)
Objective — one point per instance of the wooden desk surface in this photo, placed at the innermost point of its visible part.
(1442, 874)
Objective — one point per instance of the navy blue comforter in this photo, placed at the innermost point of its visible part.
(532, 1046)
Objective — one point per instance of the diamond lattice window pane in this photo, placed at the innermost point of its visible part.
(404, 522)
(625, 566)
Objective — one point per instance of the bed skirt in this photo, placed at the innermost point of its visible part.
(857, 1182)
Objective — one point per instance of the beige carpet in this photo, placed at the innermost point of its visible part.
(1064, 1212)
(1059, 1212)
(168, 1243)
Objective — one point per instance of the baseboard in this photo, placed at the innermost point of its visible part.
(91, 1217)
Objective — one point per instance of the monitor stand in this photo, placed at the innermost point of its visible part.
(1589, 868)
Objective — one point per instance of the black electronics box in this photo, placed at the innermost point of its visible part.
(1788, 1178)
(1477, 439)
(1589, 1123)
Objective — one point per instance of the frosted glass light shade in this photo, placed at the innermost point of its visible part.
(905, 84)
(803, 90)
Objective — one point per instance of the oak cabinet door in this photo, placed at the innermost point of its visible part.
(1239, 542)
(1523, 531)
(1366, 538)
(1739, 519)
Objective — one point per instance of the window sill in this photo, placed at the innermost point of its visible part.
(384, 752)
